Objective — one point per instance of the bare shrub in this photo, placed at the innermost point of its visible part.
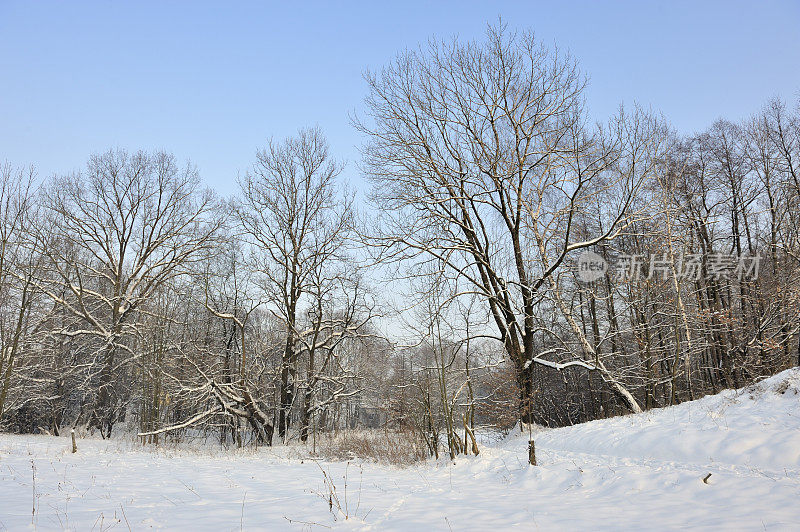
(383, 446)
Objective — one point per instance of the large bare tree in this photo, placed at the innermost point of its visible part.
(125, 225)
(482, 161)
(20, 260)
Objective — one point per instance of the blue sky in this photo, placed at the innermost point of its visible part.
(211, 82)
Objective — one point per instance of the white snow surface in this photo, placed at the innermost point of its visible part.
(637, 471)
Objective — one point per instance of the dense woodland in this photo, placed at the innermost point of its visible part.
(133, 300)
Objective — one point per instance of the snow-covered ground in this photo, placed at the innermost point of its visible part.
(643, 471)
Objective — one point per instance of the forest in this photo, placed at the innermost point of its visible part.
(451, 295)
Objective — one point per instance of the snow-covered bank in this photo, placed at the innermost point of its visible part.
(757, 427)
(635, 471)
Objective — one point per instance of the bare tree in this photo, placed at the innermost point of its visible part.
(482, 161)
(126, 225)
(297, 222)
(20, 261)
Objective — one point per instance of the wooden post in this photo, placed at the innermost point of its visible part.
(74, 445)
(531, 453)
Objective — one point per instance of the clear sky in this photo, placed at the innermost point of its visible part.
(211, 82)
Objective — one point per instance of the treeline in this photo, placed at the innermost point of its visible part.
(129, 294)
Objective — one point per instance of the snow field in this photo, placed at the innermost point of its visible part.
(639, 471)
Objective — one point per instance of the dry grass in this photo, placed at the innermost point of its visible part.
(382, 446)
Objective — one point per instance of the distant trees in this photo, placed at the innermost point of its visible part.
(130, 294)
(714, 304)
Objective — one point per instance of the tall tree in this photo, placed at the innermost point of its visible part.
(20, 261)
(127, 224)
(297, 220)
(482, 160)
